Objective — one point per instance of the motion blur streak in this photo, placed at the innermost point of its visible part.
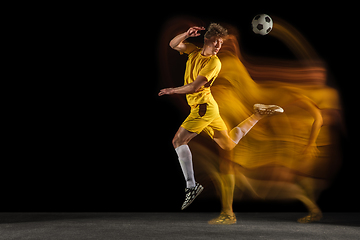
(294, 155)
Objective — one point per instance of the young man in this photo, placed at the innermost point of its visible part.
(202, 68)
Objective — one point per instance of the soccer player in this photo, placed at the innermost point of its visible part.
(202, 68)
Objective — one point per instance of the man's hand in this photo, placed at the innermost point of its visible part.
(166, 91)
(193, 31)
(186, 89)
(177, 42)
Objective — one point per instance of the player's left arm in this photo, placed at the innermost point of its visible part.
(189, 88)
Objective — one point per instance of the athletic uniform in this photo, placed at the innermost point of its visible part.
(204, 113)
(205, 116)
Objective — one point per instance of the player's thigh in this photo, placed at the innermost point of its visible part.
(223, 139)
(182, 136)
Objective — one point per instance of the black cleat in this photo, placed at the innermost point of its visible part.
(191, 194)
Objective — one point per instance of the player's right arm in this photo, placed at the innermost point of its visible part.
(177, 42)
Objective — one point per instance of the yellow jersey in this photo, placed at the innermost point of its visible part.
(196, 65)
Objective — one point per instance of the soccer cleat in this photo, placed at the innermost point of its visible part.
(267, 109)
(223, 219)
(191, 194)
(312, 217)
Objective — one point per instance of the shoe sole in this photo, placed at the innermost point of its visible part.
(219, 222)
(197, 194)
(269, 108)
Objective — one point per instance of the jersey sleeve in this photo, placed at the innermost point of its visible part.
(189, 48)
(211, 69)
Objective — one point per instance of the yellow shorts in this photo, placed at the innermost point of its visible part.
(204, 117)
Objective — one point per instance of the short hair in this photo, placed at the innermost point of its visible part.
(216, 29)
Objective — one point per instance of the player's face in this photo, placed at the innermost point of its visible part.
(214, 44)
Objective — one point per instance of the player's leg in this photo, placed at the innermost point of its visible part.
(180, 141)
(312, 188)
(223, 139)
(229, 141)
(182, 137)
(226, 187)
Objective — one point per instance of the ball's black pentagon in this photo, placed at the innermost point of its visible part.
(259, 27)
(267, 19)
(256, 17)
(268, 30)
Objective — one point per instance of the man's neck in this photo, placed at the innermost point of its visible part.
(205, 53)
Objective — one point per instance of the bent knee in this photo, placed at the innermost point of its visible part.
(182, 137)
(228, 147)
(225, 145)
(176, 142)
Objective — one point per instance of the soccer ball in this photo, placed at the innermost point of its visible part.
(262, 24)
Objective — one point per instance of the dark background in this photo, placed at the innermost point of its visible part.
(96, 137)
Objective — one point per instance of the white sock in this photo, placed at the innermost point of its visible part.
(242, 129)
(185, 159)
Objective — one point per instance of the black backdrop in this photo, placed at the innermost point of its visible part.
(97, 138)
